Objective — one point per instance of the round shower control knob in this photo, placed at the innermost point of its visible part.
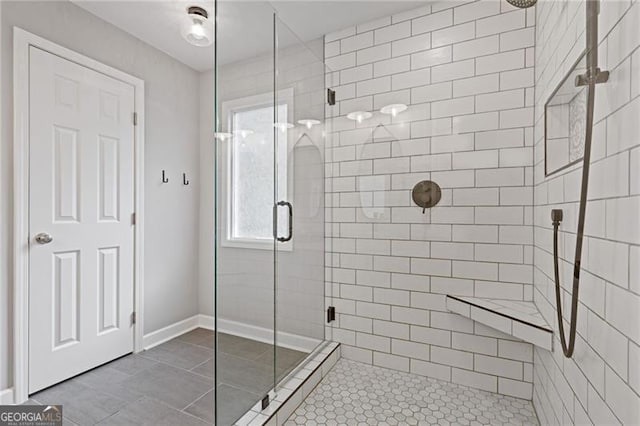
(426, 194)
(43, 238)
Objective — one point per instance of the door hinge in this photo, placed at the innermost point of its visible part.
(331, 97)
(135, 118)
(265, 402)
(331, 314)
(133, 318)
(133, 218)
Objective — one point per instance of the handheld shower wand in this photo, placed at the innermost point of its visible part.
(592, 77)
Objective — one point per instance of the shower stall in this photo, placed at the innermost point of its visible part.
(266, 211)
(269, 205)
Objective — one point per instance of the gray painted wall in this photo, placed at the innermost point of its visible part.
(172, 143)
(246, 275)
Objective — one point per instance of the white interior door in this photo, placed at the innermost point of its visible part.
(81, 166)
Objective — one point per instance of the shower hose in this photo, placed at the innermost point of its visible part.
(593, 76)
(590, 79)
(556, 217)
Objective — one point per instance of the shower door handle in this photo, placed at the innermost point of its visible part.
(275, 221)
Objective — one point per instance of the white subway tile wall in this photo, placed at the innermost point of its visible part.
(465, 69)
(601, 383)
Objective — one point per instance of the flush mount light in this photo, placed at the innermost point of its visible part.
(308, 122)
(359, 116)
(223, 136)
(393, 109)
(196, 27)
(243, 133)
(283, 126)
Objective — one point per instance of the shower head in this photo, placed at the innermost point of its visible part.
(522, 4)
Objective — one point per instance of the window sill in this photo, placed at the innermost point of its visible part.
(256, 245)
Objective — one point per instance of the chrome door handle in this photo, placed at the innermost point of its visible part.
(43, 238)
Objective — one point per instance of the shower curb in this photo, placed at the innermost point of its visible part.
(294, 390)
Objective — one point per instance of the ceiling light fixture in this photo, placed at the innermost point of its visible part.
(196, 28)
(393, 109)
(308, 122)
(359, 116)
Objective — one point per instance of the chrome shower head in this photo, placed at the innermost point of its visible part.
(522, 4)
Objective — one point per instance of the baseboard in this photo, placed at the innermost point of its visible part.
(206, 321)
(261, 334)
(169, 332)
(286, 340)
(6, 396)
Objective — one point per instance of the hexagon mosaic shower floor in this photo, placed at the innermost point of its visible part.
(359, 394)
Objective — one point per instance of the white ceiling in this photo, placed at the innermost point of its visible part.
(244, 27)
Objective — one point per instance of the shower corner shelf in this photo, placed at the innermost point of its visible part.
(515, 318)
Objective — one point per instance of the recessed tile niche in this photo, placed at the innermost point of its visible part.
(565, 119)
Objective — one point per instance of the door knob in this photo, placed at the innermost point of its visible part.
(43, 238)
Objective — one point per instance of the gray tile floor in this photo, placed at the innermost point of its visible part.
(173, 383)
(360, 394)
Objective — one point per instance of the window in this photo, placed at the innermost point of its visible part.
(249, 185)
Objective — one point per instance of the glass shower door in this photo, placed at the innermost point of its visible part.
(245, 194)
(269, 204)
(299, 269)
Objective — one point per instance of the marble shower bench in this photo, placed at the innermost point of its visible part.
(515, 318)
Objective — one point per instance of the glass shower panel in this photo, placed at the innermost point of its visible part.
(300, 274)
(246, 151)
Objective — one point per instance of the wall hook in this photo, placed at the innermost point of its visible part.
(184, 179)
(164, 178)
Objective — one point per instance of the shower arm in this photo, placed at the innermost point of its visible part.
(590, 78)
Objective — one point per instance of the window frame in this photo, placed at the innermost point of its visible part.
(229, 108)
